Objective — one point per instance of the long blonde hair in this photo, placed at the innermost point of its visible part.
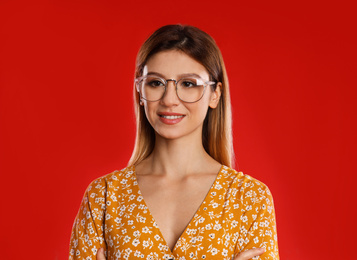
(217, 126)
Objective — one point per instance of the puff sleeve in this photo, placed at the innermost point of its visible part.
(88, 228)
(257, 222)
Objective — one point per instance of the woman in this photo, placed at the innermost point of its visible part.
(178, 198)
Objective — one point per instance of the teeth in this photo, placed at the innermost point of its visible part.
(171, 117)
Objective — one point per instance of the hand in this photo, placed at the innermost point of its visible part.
(100, 254)
(246, 255)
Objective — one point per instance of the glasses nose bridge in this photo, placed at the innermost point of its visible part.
(165, 94)
(173, 80)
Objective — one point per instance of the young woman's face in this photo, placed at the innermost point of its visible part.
(170, 117)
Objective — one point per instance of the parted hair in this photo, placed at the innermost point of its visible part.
(217, 126)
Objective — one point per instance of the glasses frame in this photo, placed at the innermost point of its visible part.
(166, 81)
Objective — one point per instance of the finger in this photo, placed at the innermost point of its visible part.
(100, 254)
(250, 253)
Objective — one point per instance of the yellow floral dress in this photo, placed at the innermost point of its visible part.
(237, 214)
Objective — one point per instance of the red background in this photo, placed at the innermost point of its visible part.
(66, 76)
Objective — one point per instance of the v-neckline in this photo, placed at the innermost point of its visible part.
(199, 209)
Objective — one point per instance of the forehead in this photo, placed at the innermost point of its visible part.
(174, 63)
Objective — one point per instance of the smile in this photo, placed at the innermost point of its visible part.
(171, 117)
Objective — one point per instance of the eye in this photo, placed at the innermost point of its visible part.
(188, 83)
(154, 82)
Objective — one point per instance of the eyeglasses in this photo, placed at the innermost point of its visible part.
(189, 89)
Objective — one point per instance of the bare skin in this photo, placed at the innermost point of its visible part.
(176, 177)
(174, 199)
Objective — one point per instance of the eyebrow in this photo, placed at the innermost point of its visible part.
(179, 76)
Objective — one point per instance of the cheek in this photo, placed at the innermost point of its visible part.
(199, 111)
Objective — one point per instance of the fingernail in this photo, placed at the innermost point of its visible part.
(263, 249)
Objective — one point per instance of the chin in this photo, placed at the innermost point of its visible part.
(169, 136)
(172, 134)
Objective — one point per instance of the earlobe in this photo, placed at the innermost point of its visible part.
(216, 95)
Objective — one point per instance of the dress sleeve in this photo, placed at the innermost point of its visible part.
(87, 232)
(258, 225)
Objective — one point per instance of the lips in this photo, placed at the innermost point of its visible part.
(170, 118)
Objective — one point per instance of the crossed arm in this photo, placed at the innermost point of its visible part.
(246, 255)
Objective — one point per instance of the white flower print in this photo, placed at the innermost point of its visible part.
(234, 223)
(136, 242)
(214, 251)
(225, 252)
(217, 226)
(126, 239)
(146, 243)
(113, 198)
(237, 214)
(255, 225)
(145, 230)
(193, 240)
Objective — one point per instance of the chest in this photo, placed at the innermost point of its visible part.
(155, 219)
(174, 203)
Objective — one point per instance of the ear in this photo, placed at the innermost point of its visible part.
(216, 95)
(141, 102)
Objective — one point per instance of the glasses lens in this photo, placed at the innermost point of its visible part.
(152, 88)
(190, 89)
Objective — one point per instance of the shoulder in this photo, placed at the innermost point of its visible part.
(111, 180)
(246, 185)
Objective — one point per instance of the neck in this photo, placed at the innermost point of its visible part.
(181, 157)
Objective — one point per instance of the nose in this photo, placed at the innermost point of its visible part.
(170, 97)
